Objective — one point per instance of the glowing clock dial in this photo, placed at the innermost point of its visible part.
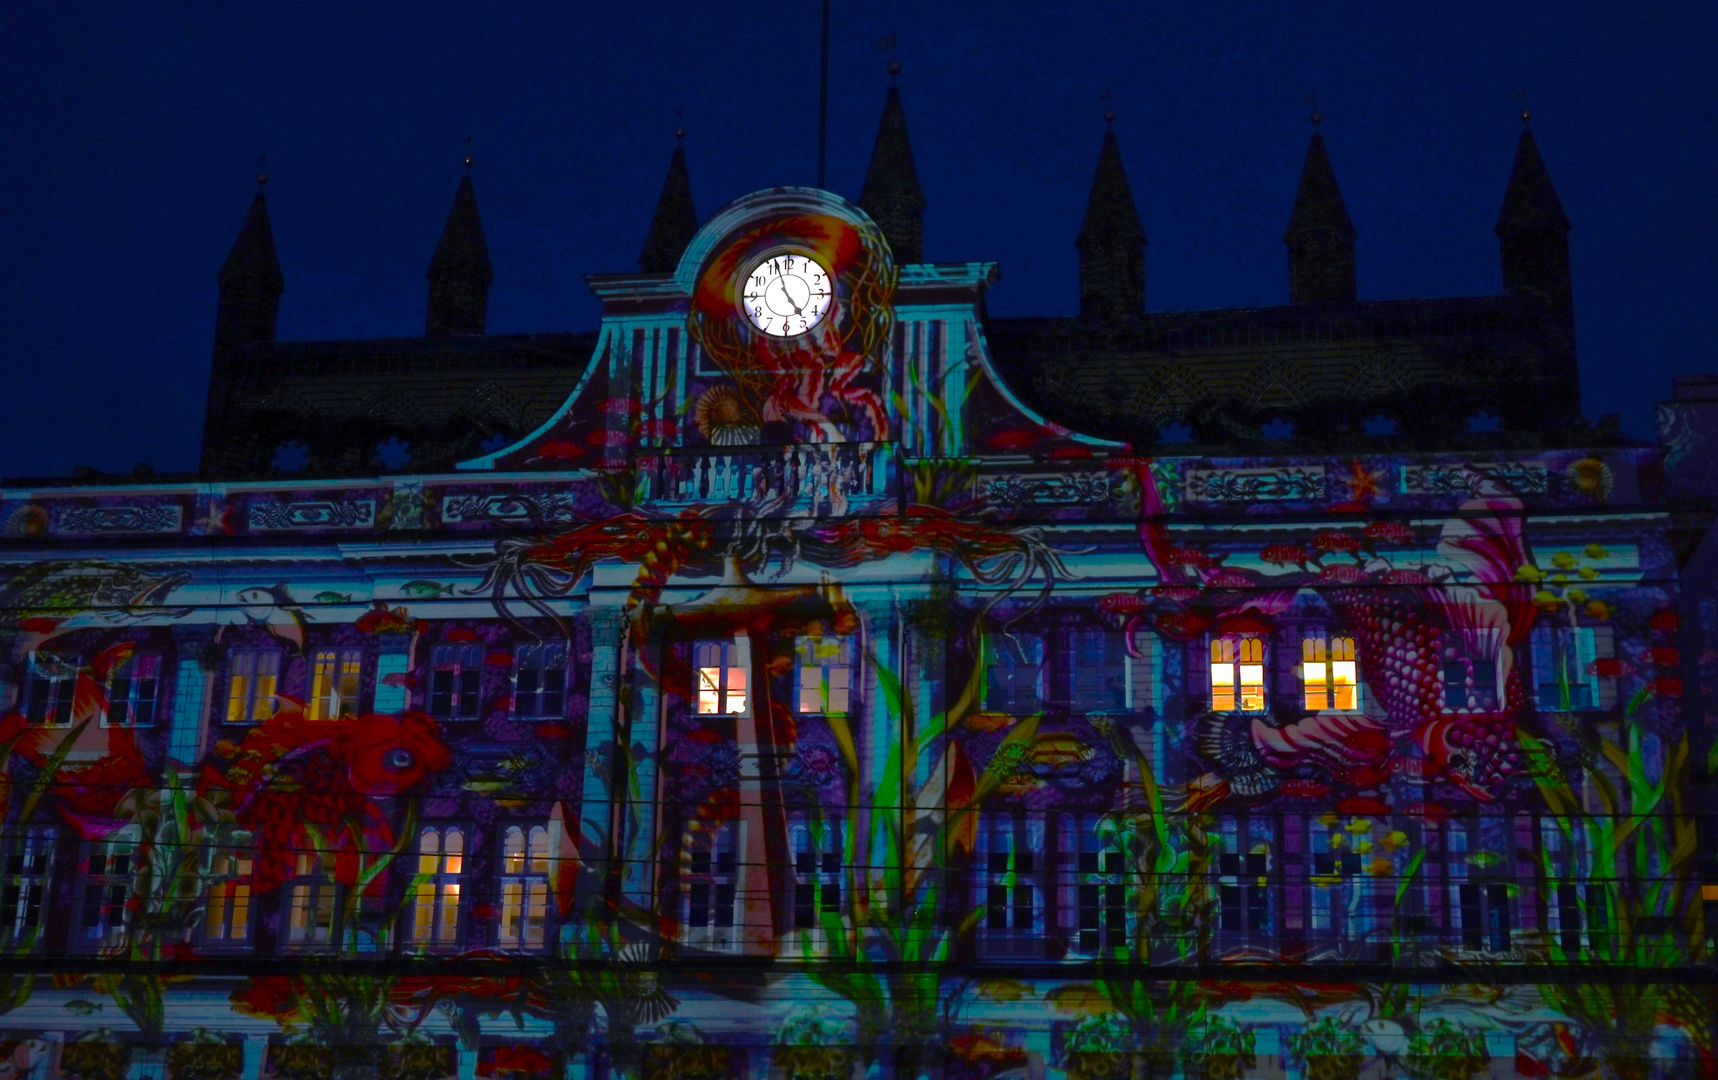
(786, 295)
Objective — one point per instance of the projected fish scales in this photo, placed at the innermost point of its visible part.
(830, 709)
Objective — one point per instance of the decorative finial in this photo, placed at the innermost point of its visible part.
(468, 156)
(894, 68)
(680, 133)
(1317, 119)
(679, 128)
(262, 171)
(1525, 116)
(1109, 118)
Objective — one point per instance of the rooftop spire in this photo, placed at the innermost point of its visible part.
(1532, 230)
(1530, 201)
(459, 271)
(1111, 241)
(676, 220)
(249, 280)
(892, 195)
(1320, 235)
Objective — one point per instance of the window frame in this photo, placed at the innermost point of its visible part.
(551, 656)
(437, 902)
(257, 707)
(1235, 657)
(830, 659)
(110, 866)
(451, 659)
(1012, 859)
(307, 914)
(1325, 660)
(230, 915)
(61, 692)
(335, 689)
(713, 683)
(26, 882)
(818, 849)
(522, 893)
(1011, 662)
(712, 881)
(125, 673)
(1567, 654)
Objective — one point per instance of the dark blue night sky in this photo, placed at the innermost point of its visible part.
(132, 133)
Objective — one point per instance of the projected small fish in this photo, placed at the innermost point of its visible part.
(333, 598)
(425, 590)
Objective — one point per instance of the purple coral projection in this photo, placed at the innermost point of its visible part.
(761, 711)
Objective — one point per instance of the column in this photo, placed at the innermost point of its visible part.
(256, 1051)
(596, 803)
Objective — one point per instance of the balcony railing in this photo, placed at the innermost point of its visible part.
(809, 479)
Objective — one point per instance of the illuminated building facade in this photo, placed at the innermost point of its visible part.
(821, 685)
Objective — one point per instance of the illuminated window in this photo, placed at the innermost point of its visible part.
(435, 899)
(107, 886)
(1014, 674)
(540, 681)
(253, 676)
(712, 888)
(1329, 674)
(524, 909)
(1098, 671)
(817, 866)
(50, 680)
(825, 674)
(456, 675)
(1237, 674)
(723, 671)
(1564, 676)
(1012, 852)
(310, 903)
(132, 691)
(393, 668)
(1104, 896)
(334, 683)
(28, 866)
(228, 919)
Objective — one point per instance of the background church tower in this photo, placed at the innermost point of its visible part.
(1320, 235)
(675, 221)
(459, 272)
(1111, 241)
(892, 195)
(1533, 231)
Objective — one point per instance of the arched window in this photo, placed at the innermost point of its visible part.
(1011, 848)
(524, 888)
(310, 903)
(711, 888)
(723, 670)
(228, 918)
(1103, 895)
(435, 903)
(818, 866)
(1237, 674)
(1329, 674)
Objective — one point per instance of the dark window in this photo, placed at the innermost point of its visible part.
(456, 674)
(50, 680)
(133, 689)
(540, 681)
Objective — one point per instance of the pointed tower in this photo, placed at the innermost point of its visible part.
(892, 195)
(1111, 241)
(459, 271)
(675, 222)
(249, 281)
(1532, 229)
(1320, 236)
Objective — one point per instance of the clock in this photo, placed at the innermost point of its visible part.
(786, 294)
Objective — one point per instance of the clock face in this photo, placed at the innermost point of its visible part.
(786, 295)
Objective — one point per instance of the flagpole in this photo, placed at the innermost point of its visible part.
(823, 98)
